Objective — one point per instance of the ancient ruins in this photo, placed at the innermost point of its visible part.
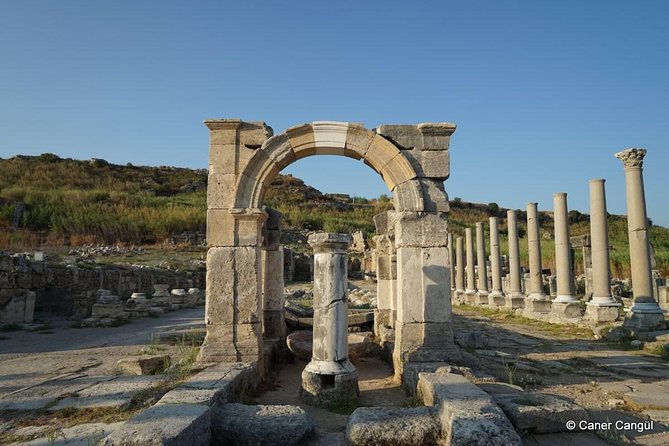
(453, 383)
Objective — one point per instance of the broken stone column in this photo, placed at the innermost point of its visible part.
(470, 291)
(514, 298)
(603, 307)
(536, 301)
(460, 270)
(451, 260)
(482, 294)
(645, 314)
(496, 297)
(565, 304)
(330, 377)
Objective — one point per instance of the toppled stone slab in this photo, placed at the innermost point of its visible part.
(657, 399)
(540, 413)
(143, 365)
(468, 415)
(218, 384)
(164, 425)
(259, 425)
(393, 426)
(117, 392)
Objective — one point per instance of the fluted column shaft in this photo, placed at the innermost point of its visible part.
(481, 258)
(460, 265)
(514, 255)
(471, 269)
(637, 226)
(495, 258)
(563, 266)
(536, 290)
(451, 260)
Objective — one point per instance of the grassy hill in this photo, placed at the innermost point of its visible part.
(46, 200)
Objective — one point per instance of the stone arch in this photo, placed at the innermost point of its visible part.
(413, 160)
(325, 138)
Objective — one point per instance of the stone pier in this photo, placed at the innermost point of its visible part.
(602, 307)
(330, 377)
(482, 294)
(565, 304)
(274, 323)
(470, 291)
(386, 277)
(645, 314)
(536, 300)
(451, 260)
(496, 297)
(460, 270)
(514, 298)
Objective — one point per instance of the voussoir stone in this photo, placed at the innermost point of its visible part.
(393, 426)
(240, 424)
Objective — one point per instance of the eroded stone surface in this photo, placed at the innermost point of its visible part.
(390, 426)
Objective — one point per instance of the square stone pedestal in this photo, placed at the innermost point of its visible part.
(496, 300)
(514, 302)
(458, 297)
(637, 322)
(482, 298)
(534, 306)
(566, 310)
(597, 313)
(470, 297)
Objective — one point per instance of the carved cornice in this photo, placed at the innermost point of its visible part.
(632, 157)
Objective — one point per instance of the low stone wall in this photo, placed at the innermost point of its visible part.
(71, 290)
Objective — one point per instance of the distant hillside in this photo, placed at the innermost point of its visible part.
(48, 200)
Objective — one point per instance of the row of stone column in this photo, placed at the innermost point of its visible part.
(645, 313)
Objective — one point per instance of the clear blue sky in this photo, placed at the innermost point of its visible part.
(543, 92)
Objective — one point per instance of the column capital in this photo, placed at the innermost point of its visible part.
(328, 241)
(632, 157)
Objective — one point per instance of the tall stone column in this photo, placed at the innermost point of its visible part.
(330, 377)
(645, 313)
(603, 307)
(536, 301)
(514, 298)
(565, 304)
(482, 294)
(496, 297)
(451, 260)
(470, 291)
(460, 270)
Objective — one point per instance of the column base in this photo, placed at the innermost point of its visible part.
(482, 298)
(602, 313)
(565, 310)
(496, 299)
(565, 298)
(638, 321)
(514, 301)
(320, 388)
(534, 304)
(423, 342)
(470, 297)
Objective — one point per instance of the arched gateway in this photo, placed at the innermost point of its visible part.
(413, 161)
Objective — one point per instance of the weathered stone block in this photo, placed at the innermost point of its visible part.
(423, 277)
(143, 365)
(397, 171)
(220, 191)
(279, 150)
(429, 164)
(164, 425)
(597, 313)
(540, 413)
(232, 343)
(266, 425)
(425, 342)
(358, 140)
(301, 139)
(380, 153)
(421, 229)
(371, 426)
(467, 413)
(385, 223)
(233, 285)
(405, 136)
